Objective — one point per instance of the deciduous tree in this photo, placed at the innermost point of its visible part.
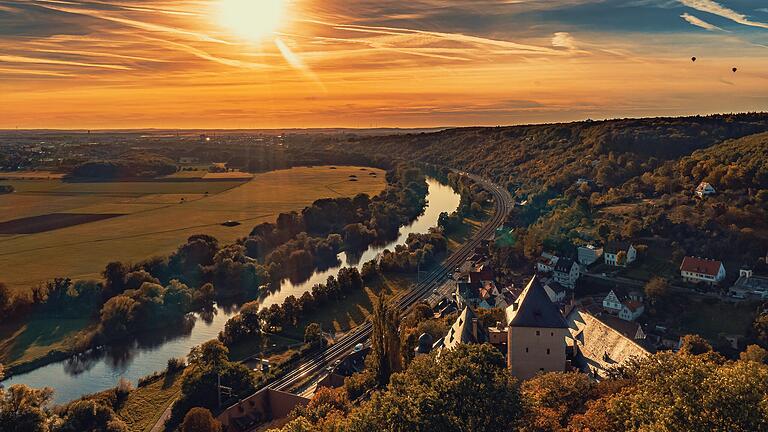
(200, 420)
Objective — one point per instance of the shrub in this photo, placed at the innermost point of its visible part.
(176, 364)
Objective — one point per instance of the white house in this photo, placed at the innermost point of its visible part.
(626, 305)
(555, 291)
(546, 263)
(705, 189)
(696, 270)
(566, 272)
(589, 254)
(611, 253)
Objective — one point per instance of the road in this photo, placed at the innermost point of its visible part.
(640, 284)
(503, 202)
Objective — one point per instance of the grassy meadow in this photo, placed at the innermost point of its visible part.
(145, 405)
(155, 218)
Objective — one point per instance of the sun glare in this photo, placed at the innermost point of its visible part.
(254, 20)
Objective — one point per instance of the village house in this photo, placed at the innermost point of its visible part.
(536, 332)
(566, 272)
(627, 305)
(480, 290)
(702, 270)
(546, 263)
(556, 292)
(596, 348)
(611, 253)
(588, 254)
(705, 189)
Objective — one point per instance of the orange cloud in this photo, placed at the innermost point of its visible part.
(119, 64)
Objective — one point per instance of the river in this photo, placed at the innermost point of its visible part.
(101, 370)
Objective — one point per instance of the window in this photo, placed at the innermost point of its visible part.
(526, 349)
(538, 333)
(552, 334)
(547, 351)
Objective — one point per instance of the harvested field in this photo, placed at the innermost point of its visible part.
(156, 220)
(31, 175)
(50, 222)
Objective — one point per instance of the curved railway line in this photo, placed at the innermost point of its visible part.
(406, 300)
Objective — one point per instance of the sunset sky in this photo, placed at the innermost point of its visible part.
(374, 63)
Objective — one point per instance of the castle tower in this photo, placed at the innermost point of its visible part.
(536, 333)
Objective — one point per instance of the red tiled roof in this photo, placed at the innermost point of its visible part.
(701, 265)
(633, 305)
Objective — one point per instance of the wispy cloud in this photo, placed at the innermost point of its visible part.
(171, 63)
(715, 8)
(564, 40)
(698, 22)
(23, 59)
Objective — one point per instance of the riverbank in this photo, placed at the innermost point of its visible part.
(76, 376)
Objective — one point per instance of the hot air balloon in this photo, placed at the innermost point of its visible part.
(693, 59)
(734, 70)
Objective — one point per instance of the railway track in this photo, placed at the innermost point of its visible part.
(406, 300)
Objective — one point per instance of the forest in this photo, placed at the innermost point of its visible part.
(129, 165)
(594, 181)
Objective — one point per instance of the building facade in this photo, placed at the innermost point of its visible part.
(702, 270)
(566, 272)
(536, 334)
(611, 253)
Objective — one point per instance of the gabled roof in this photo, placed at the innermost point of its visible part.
(564, 265)
(461, 330)
(701, 265)
(534, 309)
(620, 293)
(627, 328)
(598, 346)
(633, 305)
(615, 246)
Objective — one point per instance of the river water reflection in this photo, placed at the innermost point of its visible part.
(101, 370)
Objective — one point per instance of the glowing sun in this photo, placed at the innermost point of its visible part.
(254, 20)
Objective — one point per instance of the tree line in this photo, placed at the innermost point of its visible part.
(201, 270)
(130, 165)
(469, 388)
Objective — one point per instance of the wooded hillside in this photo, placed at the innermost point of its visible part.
(628, 179)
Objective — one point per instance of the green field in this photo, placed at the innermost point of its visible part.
(156, 219)
(34, 338)
(145, 405)
(714, 320)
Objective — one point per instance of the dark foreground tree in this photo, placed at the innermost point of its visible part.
(694, 345)
(200, 420)
(755, 353)
(385, 341)
(551, 399)
(24, 409)
(693, 393)
(91, 415)
(467, 388)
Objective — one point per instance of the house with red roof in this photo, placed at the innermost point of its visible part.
(627, 305)
(698, 270)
